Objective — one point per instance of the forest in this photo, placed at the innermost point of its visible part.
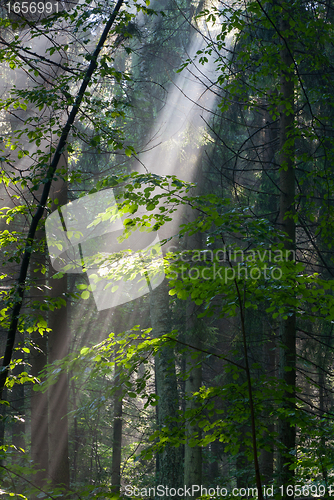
(167, 277)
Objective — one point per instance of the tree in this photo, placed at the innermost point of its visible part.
(287, 432)
(170, 461)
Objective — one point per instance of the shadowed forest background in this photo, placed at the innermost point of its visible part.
(208, 360)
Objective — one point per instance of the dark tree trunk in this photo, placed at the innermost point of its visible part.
(119, 323)
(58, 393)
(170, 461)
(194, 336)
(267, 456)
(17, 399)
(117, 434)
(287, 431)
(39, 400)
(39, 415)
(192, 454)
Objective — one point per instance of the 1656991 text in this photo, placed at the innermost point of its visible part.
(32, 8)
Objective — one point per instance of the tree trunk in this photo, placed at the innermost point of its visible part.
(39, 414)
(39, 400)
(117, 434)
(287, 431)
(267, 456)
(269, 204)
(58, 393)
(119, 324)
(170, 460)
(192, 454)
(17, 400)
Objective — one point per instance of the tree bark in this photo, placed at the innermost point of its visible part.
(117, 434)
(287, 431)
(192, 454)
(59, 468)
(17, 400)
(58, 396)
(267, 456)
(39, 415)
(118, 325)
(39, 431)
(170, 460)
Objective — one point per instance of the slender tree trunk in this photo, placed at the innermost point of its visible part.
(287, 431)
(269, 143)
(267, 456)
(170, 461)
(157, 455)
(3, 413)
(39, 400)
(192, 454)
(323, 408)
(39, 414)
(119, 324)
(76, 434)
(17, 399)
(58, 393)
(117, 434)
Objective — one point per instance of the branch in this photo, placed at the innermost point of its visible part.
(205, 352)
